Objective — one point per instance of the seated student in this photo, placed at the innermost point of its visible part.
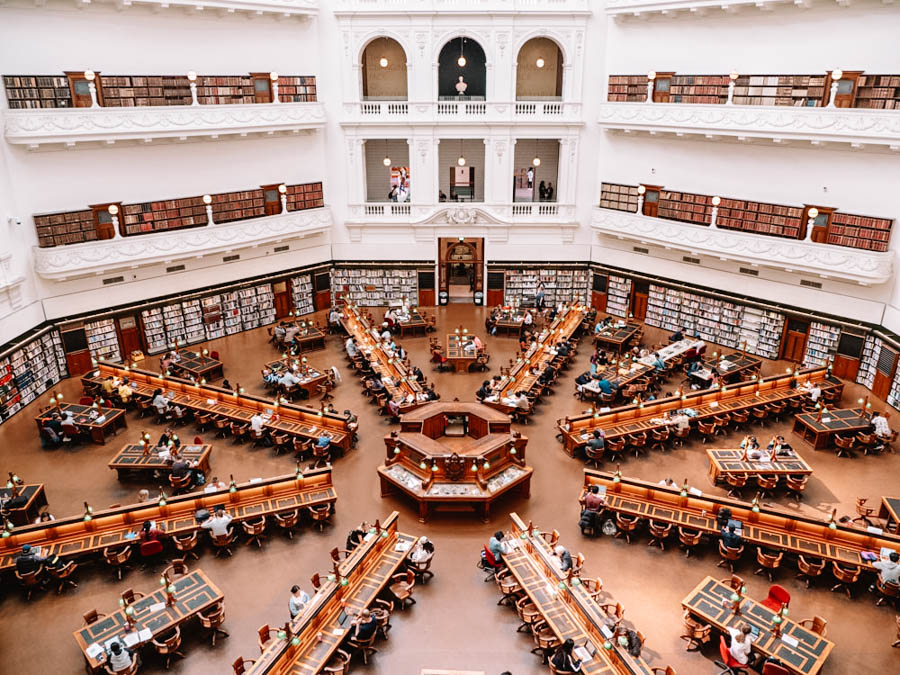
(605, 386)
(280, 331)
(565, 558)
(288, 379)
(679, 420)
(522, 401)
(375, 384)
(813, 390)
(780, 447)
(667, 482)
(218, 523)
(297, 601)
(364, 626)
(350, 346)
(630, 640)
(182, 467)
(881, 427)
(422, 551)
(562, 348)
(598, 442)
(563, 658)
(393, 408)
(108, 386)
(741, 640)
(693, 366)
(119, 657)
(160, 402)
(888, 569)
(509, 400)
(678, 335)
(731, 538)
(125, 391)
(658, 363)
(29, 561)
(547, 375)
(418, 374)
(484, 391)
(355, 538)
(497, 546)
(214, 485)
(168, 435)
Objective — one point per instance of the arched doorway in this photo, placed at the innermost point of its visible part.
(461, 269)
(384, 71)
(539, 71)
(464, 58)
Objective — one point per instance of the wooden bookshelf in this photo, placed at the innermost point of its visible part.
(73, 227)
(628, 88)
(821, 345)
(169, 214)
(709, 89)
(760, 217)
(131, 91)
(619, 197)
(780, 90)
(30, 369)
(684, 206)
(846, 229)
(306, 196)
(37, 91)
(561, 285)
(373, 287)
(877, 92)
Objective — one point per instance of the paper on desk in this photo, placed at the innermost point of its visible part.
(93, 650)
(402, 546)
(145, 635)
(713, 404)
(255, 480)
(583, 654)
(337, 632)
(886, 552)
(606, 631)
(605, 409)
(694, 491)
(788, 640)
(156, 607)
(210, 401)
(131, 639)
(874, 530)
(826, 420)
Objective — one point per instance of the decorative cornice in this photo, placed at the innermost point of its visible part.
(620, 9)
(100, 257)
(816, 125)
(790, 255)
(68, 127)
(456, 7)
(279, 8)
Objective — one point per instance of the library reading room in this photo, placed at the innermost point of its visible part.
(449, 337)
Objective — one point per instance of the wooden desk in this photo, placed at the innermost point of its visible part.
(131, 460)
(623, 372)
(890, 512)
(74, 537)
(198, 366)
(309, 380)
(710, 602)
(632, 419)
(733, 368)
(113, 420)
(194, 593)
(461, 351)
(818, 433)
(367, 570)
(413, 325)
(28, 513)
(510, 322)
(310, 338)
(617, 337)
(570, 611)
(539, 355)
(770, 528)
(731, 460)
(293, 420)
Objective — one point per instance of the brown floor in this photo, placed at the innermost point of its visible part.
(456, 623)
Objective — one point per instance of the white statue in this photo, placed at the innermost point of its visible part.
(461, 86)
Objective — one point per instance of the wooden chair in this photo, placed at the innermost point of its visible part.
(729, 555)
(30, 581)
(264, 637)
(222, 426)
(202, 420)
(177, 568)
(288, 521)
(845, 577)
(91, 616)
(545, 640)
(689, 540)
(592, 456)
(339, 664)
(403, 586)
(180, 483)
(186, 544)
(766, 484)
(239, 432)
(707, 430)
(615, 448)
(321, 456)
(302, 447)
(223, 544)
(660, 438)
(169, 645)
(626, 525)
(739, 418)
(809, 570)
(615, 612)
(528, 613)
(659, 532)
(255, 530)
(679, 436)
(769, 563)
(382, 609)
(637, 443)
(735, 482)
(776, 410)
(364, 647)
(696, 634)
(796, 485)
(817, 625)
(212, 620)
(776, 597)
(282, 443)
(887, 591)
(760, 413)
(659, 670)
(863, 512)
(593, 586)
(130, 669)
(62, 576)
(320, 515)
(117, 558)
(129, 597)
(868, 442)
(843, 446)
(422, 568)
(734, 582)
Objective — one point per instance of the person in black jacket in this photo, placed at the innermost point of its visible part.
(484, 391)
(563, 659)
(730, 538)
(547, 375)
(29, 561)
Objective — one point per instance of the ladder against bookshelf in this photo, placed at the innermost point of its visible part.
(618, 295)
(103, 341)
(302, 295)
(619, 197)
(821, 345)
(373, 287)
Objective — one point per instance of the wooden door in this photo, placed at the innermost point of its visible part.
(495, 288)
(821, 222)
(846, 91)
(322, 284)
(661, 87)
(81, 91)
(426, 288)
(262, 87)
(651, 200)
(794, 343)
(283, 302)
(639, 299)
(599, 283)
(78, 362)
(103, 220)
(129, 336)
(884, 372)
(272, 199)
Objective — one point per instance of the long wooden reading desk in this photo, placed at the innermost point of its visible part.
(194, 593)
(802, 652)
(29, 512)
(286, 418)
(461, 351)
(734, 461)
(95, 422)
(135, 459)
(767, 527)
(818, 429)
(319, 630)
(413, 325)
(521, 377)
(309, 336)
(733, 368)
(890, 512)
(617, 336)
(310, 377)
(644, 417)
(397, 379)
(198, 366)
(78, 536)
(565, 604)
(509, 322)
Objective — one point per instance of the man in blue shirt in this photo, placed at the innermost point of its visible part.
(658, 363)
(323, 442)
(496, 546)
(605, 386)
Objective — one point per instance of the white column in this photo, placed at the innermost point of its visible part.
(730, 100)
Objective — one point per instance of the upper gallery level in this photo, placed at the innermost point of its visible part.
(425, 69)
(87, 107)
(300, 9)
(836, 106)
(641, 9)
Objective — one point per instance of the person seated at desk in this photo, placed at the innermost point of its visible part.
(563, 658)
(298, 600)
(630, 640)
(44, 517)
(565, 558)
(291, 332)
(484, 391)
(376, 385)
(601, 325)
(351, 347)
(150, 533)
(363, 626)
(29, 560)
(257, 424)
(882, 428)
(355, 537)
(334, 317)
(168, 435)
(393, 408)
(548, 374)
(269, 376)
(50, 437)
(562, 348)
(288, 380)
(888, 569)
(813, 390)
(418, 374)
(323, 441)
(693, 366)
(668, 482)
(741, 641)
(385, 332)
(218, 523)
(182, 467)
(160, 402)
(509, 400)
(280, 331)
(598, 441)
(497, 546)
(678, 335)
(108, 386)
(714, 379)
(422, 551)
(125, 391)
(731, 538)
(118, 657)
(751, 447)
(593, 505)
(780, 447)
(144, 495)
(658, 363)
(522, 402)
(605, 386)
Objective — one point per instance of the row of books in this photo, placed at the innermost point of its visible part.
(618, 295)
(821, 344)
(302, 294)
(103, 340)
(619, 197)
(373, 287)
(559, 285)
(29, 371)
(868, 361)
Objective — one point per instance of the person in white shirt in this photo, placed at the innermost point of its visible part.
(888, 570)
(879, 421)
(814, 391)
(218, 523)
(741, 641)
(119, 657)
(681, 421)
(528, 320)
(522, 402)
(290, 333)
(298, 600)
(160, 402)
(422, 551)
(510, 400)
(288, 379)
(256, 423)
(386, 333)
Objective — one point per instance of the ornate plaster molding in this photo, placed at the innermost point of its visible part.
(817, 125)
(100, 257)
(280, 8)
(790, 255)
(530, 7)
(68, 127)
(642, 8)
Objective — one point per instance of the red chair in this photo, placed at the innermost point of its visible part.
(489, 563)
(198, 440)
(86, 400)
(770, 668)
(214, 355)
(151, 548)
(728, 664)
(777, 596)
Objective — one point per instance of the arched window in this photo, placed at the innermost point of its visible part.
(462, 71)
(539, 71)
(384, 71)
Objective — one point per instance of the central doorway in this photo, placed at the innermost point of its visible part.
(461, 269)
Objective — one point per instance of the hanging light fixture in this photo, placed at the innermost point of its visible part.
(462, 160)
(461, 61)
(383, 62)
(537, 160)
(387, 160)
(539, 63)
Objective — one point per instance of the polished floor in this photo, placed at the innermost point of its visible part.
(456, 623)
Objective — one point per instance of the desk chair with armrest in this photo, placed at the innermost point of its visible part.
(130, 669)
(887, 591)
(223, 544)
(770, 668)
(729, 555)
(169, 645)
(689, 539)
(30, 581)
(255, 530)
(490, 564)
(545, 640)
(117, 558)
(186, 544)
(288, 521)
(212, 620)
(768, 562)
(177, 568)
(728, 664)
(92, 616)
(62, 576)
(776, 597)
(845, 576)
(817, 625)
(809, 569)
(339, 664)
(320, 515)
(696, 633)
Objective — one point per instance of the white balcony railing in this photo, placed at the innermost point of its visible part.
(108, 255)
(480, 112)
(464, 6)
(790, 255)
(69, 127)
(512, 212)
(780, 124)
(282, 8)
(641, 8)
